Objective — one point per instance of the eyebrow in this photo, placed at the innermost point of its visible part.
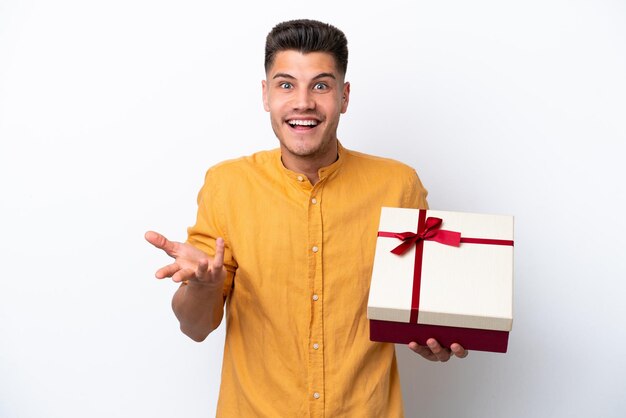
(317, 77)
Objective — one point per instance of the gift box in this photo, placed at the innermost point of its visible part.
(442, 275)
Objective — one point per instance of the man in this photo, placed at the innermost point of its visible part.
(292, 233)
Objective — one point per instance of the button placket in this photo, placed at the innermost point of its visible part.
(316, 334)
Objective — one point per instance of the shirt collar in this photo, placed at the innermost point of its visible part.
(323, 173)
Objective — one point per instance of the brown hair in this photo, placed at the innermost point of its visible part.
(306, 36)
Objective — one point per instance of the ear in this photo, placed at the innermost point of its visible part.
(345, 97)
(266, 105)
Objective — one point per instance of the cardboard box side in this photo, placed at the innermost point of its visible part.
(471, 339)
(385, 313)
(464, 321)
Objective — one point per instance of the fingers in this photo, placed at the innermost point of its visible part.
(442, 354)
(218, 259)
(184, 275)
(191, 264)
(161, 242)
(422, 351)
(458, 350)
(433, 351)
(167, 271)
(177, 273)
(202, 269)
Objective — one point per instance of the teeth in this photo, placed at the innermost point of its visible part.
(302, 122)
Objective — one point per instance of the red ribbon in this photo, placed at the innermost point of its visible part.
(430, 232)
(429, 229)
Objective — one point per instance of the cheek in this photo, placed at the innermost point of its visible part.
(335, 108)
(275, 107)
(276, 119)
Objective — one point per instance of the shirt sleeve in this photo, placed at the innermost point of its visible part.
(415, 193)
(211, 224)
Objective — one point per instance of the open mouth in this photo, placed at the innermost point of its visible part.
(302, 124)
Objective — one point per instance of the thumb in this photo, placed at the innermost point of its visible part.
(160, 242)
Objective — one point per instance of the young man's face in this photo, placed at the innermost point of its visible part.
(305, 94)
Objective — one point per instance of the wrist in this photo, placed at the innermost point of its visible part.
(202, 288)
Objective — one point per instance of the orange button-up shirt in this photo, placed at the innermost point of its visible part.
(299, 259)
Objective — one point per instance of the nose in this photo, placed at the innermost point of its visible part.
(303, 100)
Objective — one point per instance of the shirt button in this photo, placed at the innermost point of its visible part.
(315, 297)
(316, 395)
(314, 200)
(300, 178)
(316, 346)
(315, 249)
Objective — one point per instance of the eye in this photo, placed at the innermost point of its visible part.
(285, 85)
(320, 86)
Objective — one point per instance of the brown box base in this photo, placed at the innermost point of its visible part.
(471, 339)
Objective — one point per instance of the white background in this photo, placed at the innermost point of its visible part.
(111, 111)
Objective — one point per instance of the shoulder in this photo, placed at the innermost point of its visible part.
(367, 162)
(385, 173)
(257, 162)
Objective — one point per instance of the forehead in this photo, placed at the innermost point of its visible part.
(300, 65)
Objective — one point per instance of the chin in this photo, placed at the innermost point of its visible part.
(303, 152)
(306, 149)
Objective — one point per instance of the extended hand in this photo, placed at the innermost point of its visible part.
(433, 351)
(190, 264)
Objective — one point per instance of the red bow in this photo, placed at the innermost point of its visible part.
(431, 232)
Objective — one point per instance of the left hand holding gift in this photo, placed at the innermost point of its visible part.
(433, 351)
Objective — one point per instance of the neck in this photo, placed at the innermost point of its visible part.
(309, 165)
